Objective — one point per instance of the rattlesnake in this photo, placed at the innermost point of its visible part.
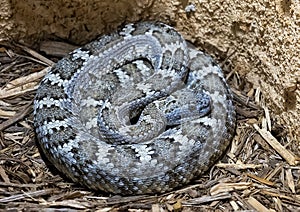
(136, 111)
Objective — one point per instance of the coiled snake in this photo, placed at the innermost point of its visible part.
(136, 111)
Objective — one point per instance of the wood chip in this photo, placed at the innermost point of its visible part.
(257, 205)
(4, 175)
(227, 187)
(35, 54)
(287, 155)
(239, 166)
(22, 85)
(262, 180)
(290, 180)
(206, 199)
(28, 108)
(32, 194)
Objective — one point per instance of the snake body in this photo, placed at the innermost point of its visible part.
(136, 111)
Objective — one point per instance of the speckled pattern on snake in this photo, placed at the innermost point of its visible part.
(137, 111)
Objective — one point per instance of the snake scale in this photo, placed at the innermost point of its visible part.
(137, 111)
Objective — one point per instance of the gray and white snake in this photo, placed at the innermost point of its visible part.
(136, 111)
